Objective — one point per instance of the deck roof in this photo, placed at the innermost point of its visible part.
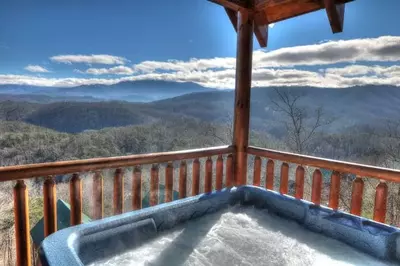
(271, 11)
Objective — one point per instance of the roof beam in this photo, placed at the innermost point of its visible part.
(232, 17)
(261, 32)
(262, 4)
(335, 14)
(234, 5)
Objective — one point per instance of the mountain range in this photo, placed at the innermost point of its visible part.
(95, 107)
(132, 91)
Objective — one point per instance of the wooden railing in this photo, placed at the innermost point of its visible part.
(337, 168)
(76, 168)
(208, 156)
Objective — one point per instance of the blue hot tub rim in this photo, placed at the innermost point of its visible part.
(84, 244)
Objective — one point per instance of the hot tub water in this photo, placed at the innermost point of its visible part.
(242, 236)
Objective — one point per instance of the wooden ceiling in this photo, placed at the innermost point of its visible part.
(270, 11)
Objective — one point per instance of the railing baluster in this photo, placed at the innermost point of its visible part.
(229, 171)
(154, 181)
(196, 177)
(137, 189)
(380, 202)
(219, 173)
(97, 194)
(257, 171)
(357, 196)
(334, 191)
(208, 176)
(21, 216)
(269, 179)
(169, 172)
(49, 206)
(182, 180)
(283, 189)
(316, 187)
(75, 193)
(299, 182)
(118, 195)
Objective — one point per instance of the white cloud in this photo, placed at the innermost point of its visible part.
(52, 82)
(382, 49)
(192, 64)
(275, 68)
(90, 59)
(118, 70)
(271, 25)
(225, 78)
(36, 69)
(362, 70)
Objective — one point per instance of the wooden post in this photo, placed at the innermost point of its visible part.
(182, 180)
(284, 182)
(75, 197)
(196, 177)
(245, 29)
(97, 194)
(154, 181)
(219, 173)
(269, 178)
(169, 179)
(208, 176)
(257, 171)
(334, 191)
(49, 206)
(118, 192)
(229, 171)
(380, 202)
(316, 187)
(21, 216)
(137, 188)
(299, 182)
(357, 196)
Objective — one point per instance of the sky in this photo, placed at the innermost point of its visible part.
(72, 43)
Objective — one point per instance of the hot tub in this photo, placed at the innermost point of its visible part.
(245, 225)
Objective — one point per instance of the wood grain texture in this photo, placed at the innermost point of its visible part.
(17, 172)
(340, 166)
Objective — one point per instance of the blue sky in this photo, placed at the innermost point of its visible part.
(50, 43)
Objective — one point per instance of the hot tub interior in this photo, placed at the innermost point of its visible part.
(244, 226)
(242, 236)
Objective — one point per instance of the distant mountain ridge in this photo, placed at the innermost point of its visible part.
(362, 105)
(133, 91)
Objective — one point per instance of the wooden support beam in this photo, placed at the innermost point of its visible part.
(232, 17)
(244, 58)
(335, 14)
(234, 5)
(261, 32)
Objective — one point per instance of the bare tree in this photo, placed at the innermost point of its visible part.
(223, 134)
(300, 126)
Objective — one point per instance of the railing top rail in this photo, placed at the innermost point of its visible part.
(9, 173)
(339, 166)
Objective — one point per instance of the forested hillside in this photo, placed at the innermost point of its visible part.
(22, 143)
(338, 124)
(367, 105)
